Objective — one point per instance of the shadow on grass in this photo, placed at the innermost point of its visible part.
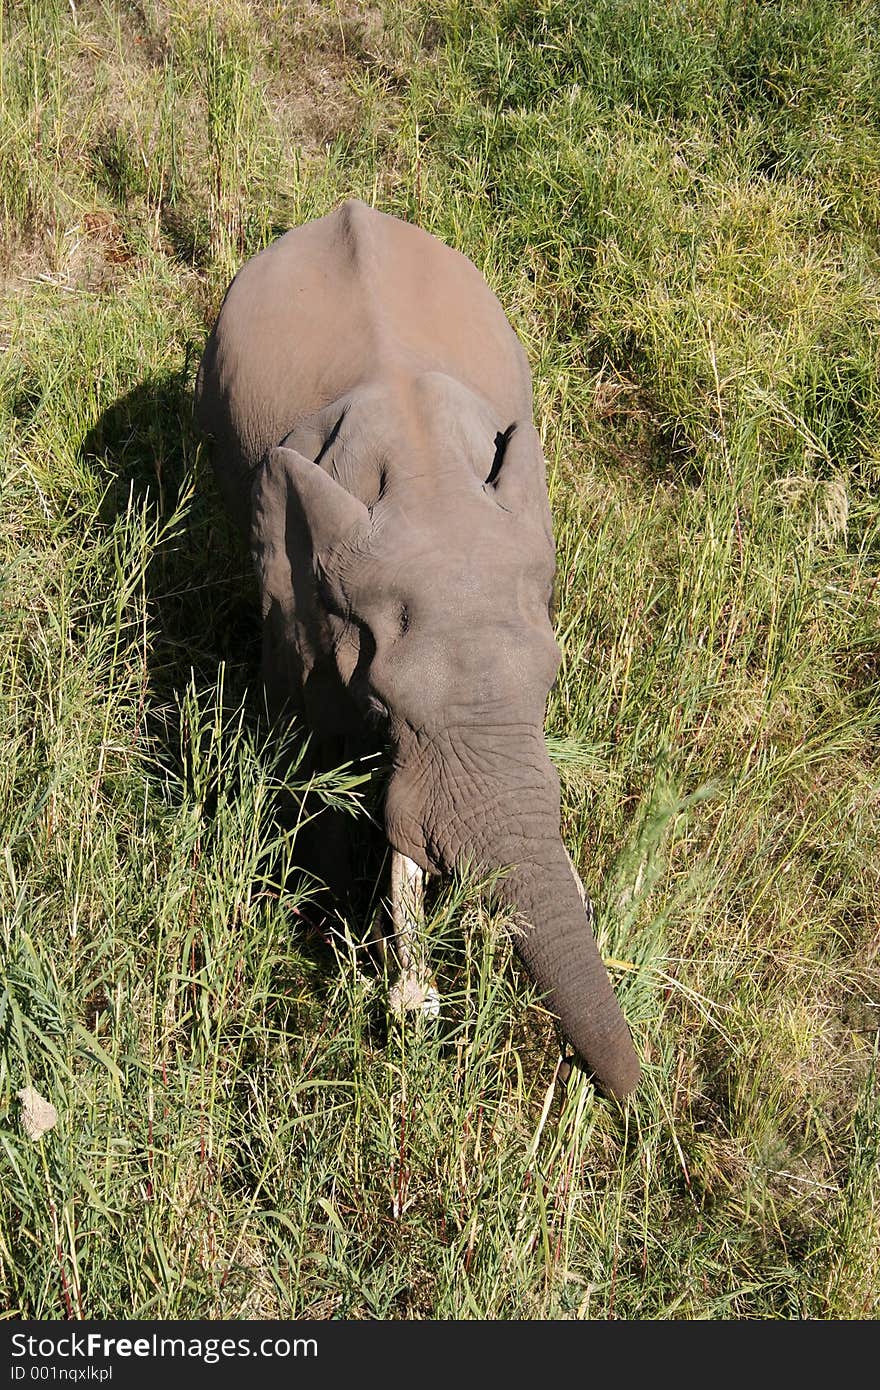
(202, 600)
(200, 594)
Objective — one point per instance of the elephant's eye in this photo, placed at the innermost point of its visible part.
(403, 619)
(376, 712)
(331, 596)
(553, 601)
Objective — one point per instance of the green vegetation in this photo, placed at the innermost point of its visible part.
(679, 207)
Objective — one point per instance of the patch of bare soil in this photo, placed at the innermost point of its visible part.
(316, 55)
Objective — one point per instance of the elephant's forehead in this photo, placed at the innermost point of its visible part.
(469, 539)
(455, 568)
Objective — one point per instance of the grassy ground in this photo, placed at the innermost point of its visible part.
(679, 207)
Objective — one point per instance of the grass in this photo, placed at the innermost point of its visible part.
(679, 209)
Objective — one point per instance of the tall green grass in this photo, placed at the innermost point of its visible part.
(678, 209)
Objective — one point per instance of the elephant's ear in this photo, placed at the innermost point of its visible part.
(517, 479)
(294, 496)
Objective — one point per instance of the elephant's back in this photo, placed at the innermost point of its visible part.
(337, 302)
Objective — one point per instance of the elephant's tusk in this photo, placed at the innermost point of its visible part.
(585, 899)
(412, 989)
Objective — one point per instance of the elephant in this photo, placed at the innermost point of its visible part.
(371, 418)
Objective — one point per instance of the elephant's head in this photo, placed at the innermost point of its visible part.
(435, 605)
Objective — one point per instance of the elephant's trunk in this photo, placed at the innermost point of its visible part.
(508, 818)
(559, 950)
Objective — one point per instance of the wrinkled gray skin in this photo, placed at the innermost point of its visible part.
(371, 410)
